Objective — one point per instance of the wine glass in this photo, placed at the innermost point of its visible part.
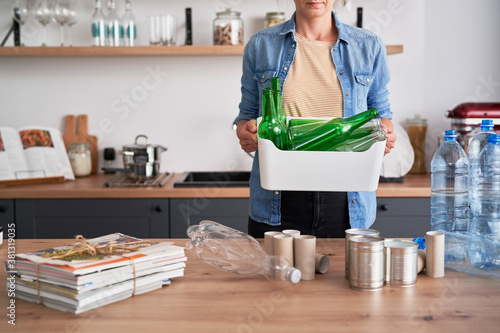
(43, 14)
(72, 18)
(21, 13)
(60, 15)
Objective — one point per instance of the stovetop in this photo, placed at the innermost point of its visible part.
(121, 180)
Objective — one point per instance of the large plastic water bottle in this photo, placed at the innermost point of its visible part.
(236, 252)
(480, 140)
(484, 243)
(449, 196)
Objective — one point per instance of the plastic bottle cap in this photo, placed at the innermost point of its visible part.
(487, 122)
(293, 275)
(494, 139)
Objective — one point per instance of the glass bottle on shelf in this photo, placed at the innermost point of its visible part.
(129, 25)
(271, 127)
(99, 28)
(115, 29)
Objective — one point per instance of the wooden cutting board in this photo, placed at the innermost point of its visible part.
(72, 134)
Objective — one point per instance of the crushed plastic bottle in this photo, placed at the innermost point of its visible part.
(236, 252)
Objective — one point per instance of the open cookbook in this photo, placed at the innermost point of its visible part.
(33, 152)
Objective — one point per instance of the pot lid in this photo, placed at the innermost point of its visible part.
(145, 145)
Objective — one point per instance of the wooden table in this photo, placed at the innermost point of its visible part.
(209, 300)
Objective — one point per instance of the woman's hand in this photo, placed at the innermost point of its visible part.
(388, 127)
(246, 130)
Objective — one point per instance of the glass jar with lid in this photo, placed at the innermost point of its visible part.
(228, 28)
(273, 18)
(80, 158)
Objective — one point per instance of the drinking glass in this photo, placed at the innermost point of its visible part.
(168, 29)
(155, 30)
(43, 14)
(21, 13)
(60, 15)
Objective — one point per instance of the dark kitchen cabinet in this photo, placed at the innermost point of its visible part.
(7, 215)
(232, 212)
(66, 218)
(403, 217)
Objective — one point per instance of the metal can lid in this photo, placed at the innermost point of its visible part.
(361, 231)
(401, 246)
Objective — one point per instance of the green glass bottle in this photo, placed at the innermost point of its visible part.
(276, 87)
(360, 144)
(332, 133)
(303, 121)
(271, 127)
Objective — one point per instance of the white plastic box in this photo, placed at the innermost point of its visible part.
(319, 170)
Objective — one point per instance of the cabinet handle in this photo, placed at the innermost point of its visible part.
(384, 207)
(3, 209)
(159, 208)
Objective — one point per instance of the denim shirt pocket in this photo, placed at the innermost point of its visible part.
(363, 82)
(263, 78)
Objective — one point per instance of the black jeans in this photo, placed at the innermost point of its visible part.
(322, 214)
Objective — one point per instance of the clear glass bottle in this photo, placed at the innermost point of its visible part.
(115, 29)
(80, 158)
(228, 28)
(129, 25)
(99, 27)
(236, 252)
(270, 126)
(449, 197)
(484, 243)
(273, 18)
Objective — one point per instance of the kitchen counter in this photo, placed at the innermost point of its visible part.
(91, 187)
(209, 300)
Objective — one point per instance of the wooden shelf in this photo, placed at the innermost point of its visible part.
(394, 49)
(122, 51)
(181, 50)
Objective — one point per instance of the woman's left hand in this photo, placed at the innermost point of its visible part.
(390, 142)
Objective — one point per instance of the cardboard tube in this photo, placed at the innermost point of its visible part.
(283, 246)
(434, 246)
(420, 260)
(269, 241)
(292, 232)
(304, 248)
(322, 263)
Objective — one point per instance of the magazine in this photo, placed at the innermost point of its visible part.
(85, 275)
(33, 152)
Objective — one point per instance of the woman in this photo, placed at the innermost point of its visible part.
(326, 69)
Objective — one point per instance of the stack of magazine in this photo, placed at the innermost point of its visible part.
(83, 281)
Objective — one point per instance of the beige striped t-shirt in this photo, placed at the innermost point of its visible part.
(312, 88)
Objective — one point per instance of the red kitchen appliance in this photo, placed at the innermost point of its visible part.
(466, 119)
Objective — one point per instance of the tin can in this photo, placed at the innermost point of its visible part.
(400, 263)
(353, 232)
(366, 267)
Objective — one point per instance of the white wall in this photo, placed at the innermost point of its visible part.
(450, 49)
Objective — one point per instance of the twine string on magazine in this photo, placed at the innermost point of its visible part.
(84, 246)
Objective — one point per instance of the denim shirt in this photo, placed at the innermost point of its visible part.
(361, 64)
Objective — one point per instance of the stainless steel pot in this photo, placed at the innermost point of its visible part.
(141, 161)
